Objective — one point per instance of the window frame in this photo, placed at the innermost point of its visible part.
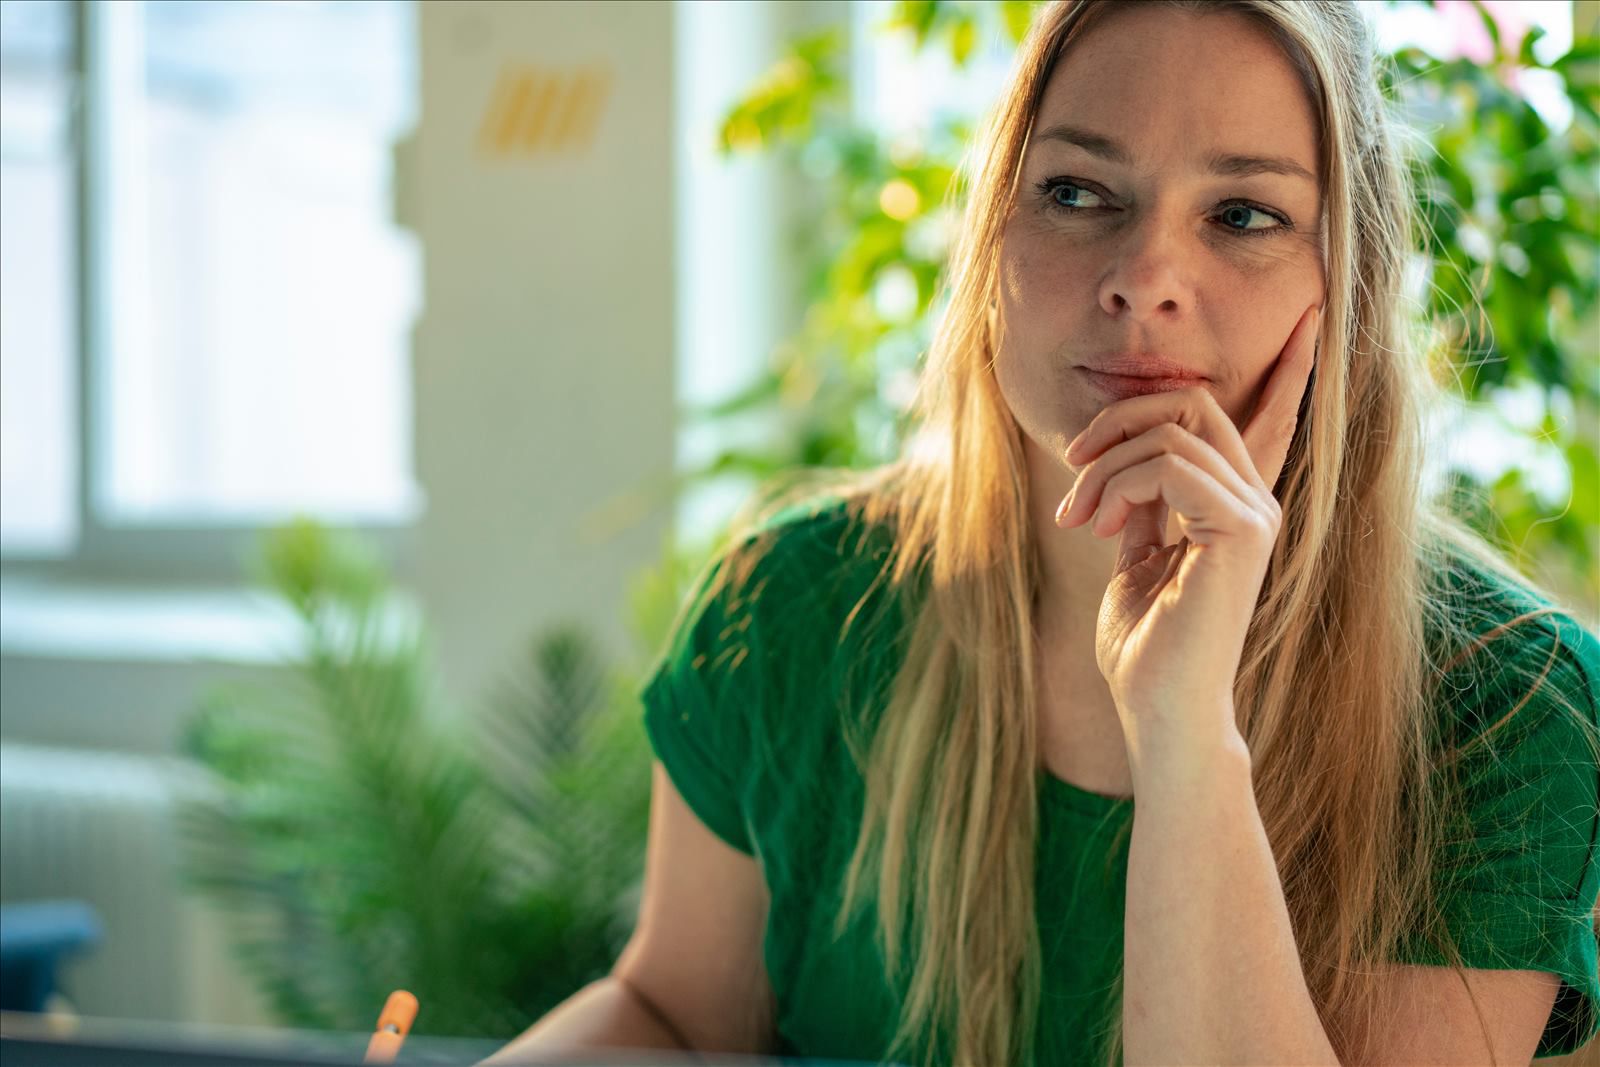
(166, 553)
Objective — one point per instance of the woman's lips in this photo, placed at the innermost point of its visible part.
(1125, 385)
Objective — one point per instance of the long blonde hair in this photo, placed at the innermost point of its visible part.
(1353, 608)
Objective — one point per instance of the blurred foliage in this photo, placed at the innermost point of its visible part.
(361, 839)
(1510, 206)
(1512, 210)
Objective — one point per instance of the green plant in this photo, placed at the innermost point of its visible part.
(1511, 207)
(361, 840)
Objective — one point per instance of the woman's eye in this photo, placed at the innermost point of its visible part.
(1066, 195)
(1238, 217)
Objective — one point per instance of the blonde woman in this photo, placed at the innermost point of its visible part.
(1143, 711)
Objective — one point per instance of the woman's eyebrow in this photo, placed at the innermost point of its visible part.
(1234, 166)
(1228, 164)
(1093, 143)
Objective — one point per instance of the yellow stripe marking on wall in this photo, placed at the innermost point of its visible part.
(533, 112)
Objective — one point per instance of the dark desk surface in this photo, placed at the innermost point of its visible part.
(41, 1041)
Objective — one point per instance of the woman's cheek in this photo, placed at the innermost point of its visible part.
(1270, 260)
(1062, 267)
(1290, 265)
(1044, 285)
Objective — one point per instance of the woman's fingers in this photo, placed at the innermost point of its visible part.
(1167, 438)
(1271, 428)
(1193, 408)
(1206, 510)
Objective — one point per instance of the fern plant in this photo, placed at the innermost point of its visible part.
(361, 839)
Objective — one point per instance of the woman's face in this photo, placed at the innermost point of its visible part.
(1160, 215)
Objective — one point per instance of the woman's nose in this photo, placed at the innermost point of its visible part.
(1147, 278)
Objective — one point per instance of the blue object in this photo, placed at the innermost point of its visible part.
(34, 937)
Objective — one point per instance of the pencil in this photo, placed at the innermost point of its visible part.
(394, 1023)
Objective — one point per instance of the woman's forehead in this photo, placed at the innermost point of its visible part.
(1155, 83)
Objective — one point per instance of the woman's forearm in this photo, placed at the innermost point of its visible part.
(1212, 974)
(606, 1014)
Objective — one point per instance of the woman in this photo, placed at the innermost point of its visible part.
(1157, 547)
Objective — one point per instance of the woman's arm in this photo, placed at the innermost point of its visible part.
(607, 1014)
(1211, 971)
(692, 976)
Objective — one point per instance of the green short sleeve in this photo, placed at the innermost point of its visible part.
(1519, 882)
(700, 701)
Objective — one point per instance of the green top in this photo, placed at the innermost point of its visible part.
(742, 710)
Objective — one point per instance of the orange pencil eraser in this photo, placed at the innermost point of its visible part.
(401, 1010)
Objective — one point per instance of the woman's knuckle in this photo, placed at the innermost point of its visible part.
(1171, 435)
(1266, 525)
(1172, 463)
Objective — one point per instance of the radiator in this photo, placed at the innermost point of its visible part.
(97, 826)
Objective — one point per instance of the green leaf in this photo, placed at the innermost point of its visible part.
(917, 16)
(1525, 55)
(760, 392)
(963, 37)
(1489, 25)
(1017, 16)
(1584, 465)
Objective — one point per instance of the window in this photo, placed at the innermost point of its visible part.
(215, 221)
(37, 264)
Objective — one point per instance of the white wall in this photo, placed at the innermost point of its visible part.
(543, 359)
(569, 299)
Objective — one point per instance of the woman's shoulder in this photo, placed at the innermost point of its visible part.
(814, 547)
(1487, 600)
(1518, 863)
(1498, 643)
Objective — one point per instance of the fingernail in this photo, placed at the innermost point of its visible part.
(1066, 506)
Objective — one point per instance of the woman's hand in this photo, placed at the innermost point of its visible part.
(1172, 625)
